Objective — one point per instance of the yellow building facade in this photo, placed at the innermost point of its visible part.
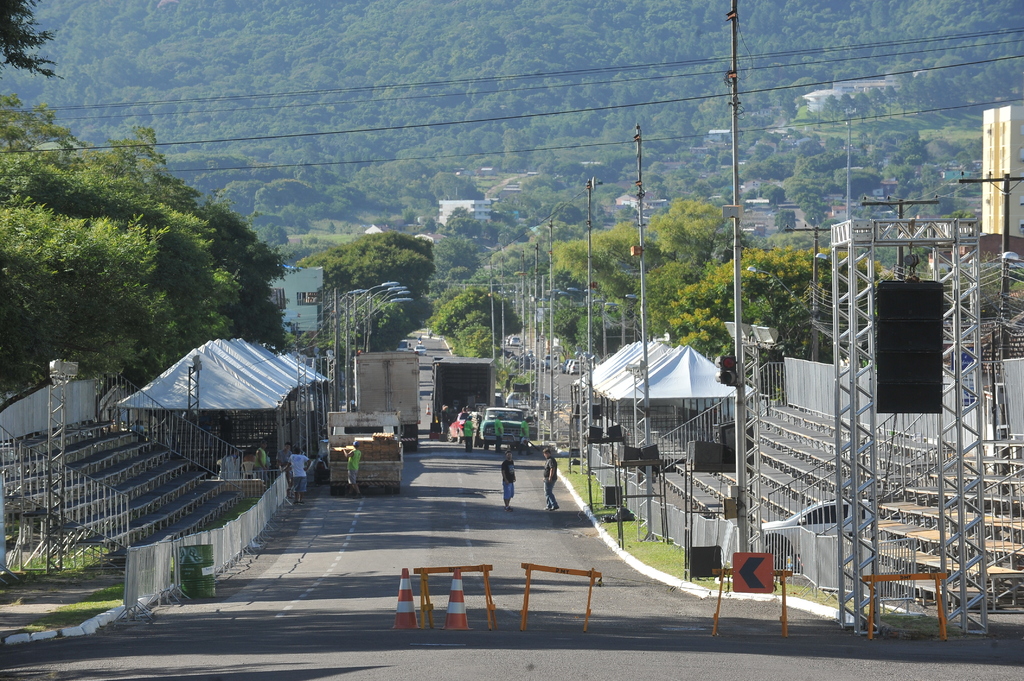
(1003, 153)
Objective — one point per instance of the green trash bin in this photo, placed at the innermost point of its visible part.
(195, 566)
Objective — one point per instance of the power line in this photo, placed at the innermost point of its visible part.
(534, 88)
(511, 117)
(549, 74)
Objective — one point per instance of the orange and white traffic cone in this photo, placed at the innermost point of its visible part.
(405, 616)
(456, 618)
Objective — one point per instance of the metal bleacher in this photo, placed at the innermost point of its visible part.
(119, 489)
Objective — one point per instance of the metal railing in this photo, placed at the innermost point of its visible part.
(151, 575)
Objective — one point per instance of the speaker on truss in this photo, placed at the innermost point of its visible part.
(615, 434)
(650, 452)
(631, 454)
(595, 411)
(710, 457)
(595, 435)
(908, 347)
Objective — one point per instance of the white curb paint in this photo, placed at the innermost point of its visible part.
(689, 587)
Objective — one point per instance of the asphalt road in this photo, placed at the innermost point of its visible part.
(319, 603)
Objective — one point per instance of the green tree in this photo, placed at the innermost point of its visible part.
(19, 37)
(73, 289)
(695, 314)
(373, 259)
(455, 259)
(464, 319)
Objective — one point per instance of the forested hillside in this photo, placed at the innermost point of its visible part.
(320, 95)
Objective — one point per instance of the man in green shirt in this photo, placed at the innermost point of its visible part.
(499, 432)
(467, 433)
(353, 472)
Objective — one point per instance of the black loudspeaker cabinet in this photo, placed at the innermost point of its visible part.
(612, 496)
(615, 434)
(705, 559)
(630, 453)
(711, 457)
(908, 347)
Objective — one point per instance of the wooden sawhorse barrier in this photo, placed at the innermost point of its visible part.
(427, 608)
(871, 580)
(780, 574)
(594, 575)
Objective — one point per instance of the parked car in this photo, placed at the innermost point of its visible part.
(571, 366)
(514, 341)
(421, 349)
(782, 537)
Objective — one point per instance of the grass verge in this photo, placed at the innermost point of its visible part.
(666, 557)
(74, 614)
(238, 509)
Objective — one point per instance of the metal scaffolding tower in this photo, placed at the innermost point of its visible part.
(61, 372)
(955, 262)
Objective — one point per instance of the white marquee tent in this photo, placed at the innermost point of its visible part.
(235, 376)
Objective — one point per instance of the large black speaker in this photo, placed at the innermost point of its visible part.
(711, 457)
(612, 496)
(704, 560)
(908, 347)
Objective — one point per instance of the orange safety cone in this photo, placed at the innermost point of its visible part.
(456, 618)
(405, 616)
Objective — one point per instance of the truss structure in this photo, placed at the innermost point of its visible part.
(61, 372)
(959, 472)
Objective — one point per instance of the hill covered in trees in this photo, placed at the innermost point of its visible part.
(315, 101)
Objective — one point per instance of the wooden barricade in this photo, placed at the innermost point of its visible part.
(594, 575)
(780, 574)
(871, 580)
(427, 608)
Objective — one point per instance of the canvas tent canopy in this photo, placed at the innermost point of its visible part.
(675, 374)
(235, 376)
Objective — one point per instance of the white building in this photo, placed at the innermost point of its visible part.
(477, 208)
(1002, 152)
(816, 100)
(299, 293)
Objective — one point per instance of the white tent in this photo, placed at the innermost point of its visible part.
(613, 371)
(235, 376)
(676, 373)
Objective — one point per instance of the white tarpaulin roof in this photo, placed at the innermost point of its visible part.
(617, 376)
(677, 373)
(235, 375)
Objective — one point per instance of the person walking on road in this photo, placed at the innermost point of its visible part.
(299, 462)
(508, 479)
(550, 477)
(353, 472)
(468, 433)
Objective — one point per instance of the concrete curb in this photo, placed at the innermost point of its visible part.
(86, 628)
(822, 611)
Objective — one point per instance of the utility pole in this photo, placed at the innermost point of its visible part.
(551, 327)
(591, 184)
(742, 484)
(1004, 288)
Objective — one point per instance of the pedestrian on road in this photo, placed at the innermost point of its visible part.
(284, 464)
(550, 477)
(353, 472)
(299, 463)
(467, 433)
(508, 479)
(499, 432)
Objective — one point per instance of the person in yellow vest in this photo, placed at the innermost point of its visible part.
(468, 432)
(499, 433)
(353, 472)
